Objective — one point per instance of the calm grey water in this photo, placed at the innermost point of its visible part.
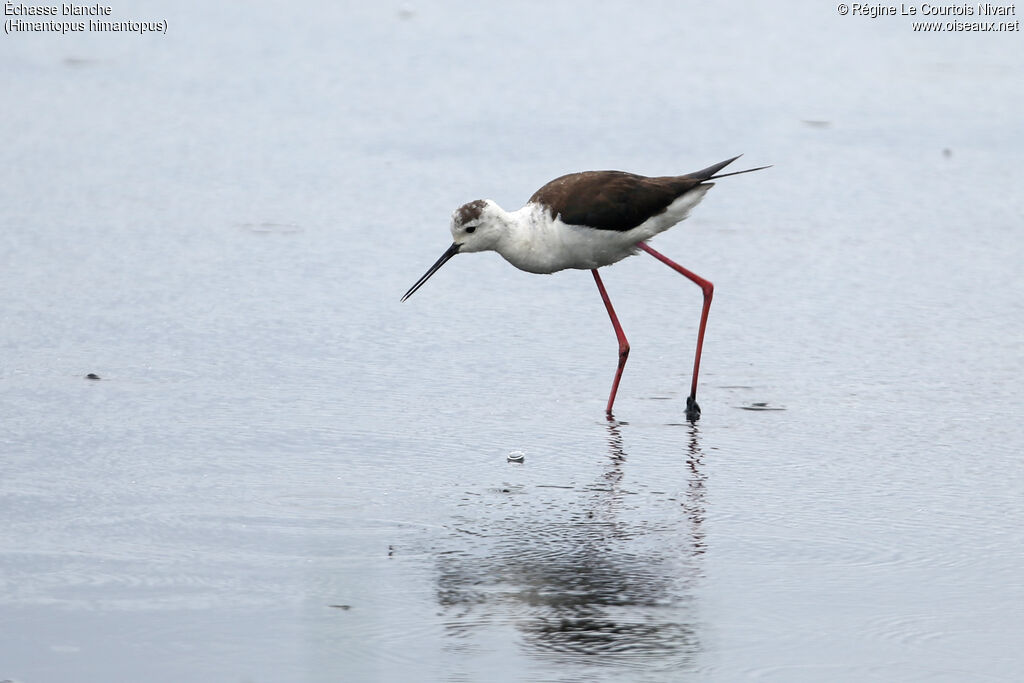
(284, 474)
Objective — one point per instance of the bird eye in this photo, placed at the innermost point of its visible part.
(470, 228)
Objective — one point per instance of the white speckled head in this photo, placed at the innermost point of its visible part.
(478, 225)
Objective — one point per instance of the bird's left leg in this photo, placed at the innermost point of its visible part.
(620, 335)
(692, 409)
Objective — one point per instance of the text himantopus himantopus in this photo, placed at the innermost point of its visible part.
(586, 221)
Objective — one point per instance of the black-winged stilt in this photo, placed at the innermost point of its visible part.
(586, 221)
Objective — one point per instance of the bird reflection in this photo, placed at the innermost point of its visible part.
(606, 568)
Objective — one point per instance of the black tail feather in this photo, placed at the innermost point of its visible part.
(711, 172)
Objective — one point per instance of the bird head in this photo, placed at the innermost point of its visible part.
(476, 226)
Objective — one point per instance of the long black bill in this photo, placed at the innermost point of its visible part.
(452, 251)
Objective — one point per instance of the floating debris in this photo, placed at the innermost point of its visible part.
(761, 405)
(516, 456)
(268, 227)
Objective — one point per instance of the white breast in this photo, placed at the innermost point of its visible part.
(537, 243)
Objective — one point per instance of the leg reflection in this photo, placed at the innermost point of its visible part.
(605, 567)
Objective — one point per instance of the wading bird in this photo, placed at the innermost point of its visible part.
(586, 221)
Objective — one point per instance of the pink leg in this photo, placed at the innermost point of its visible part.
(692, 409)
(623, 343)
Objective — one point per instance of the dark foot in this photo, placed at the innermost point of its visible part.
(692, 409)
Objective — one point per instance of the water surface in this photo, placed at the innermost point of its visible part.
(285, 474)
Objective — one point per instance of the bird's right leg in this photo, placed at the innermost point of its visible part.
(619, 334)
(692, 409)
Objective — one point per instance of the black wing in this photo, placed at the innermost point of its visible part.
(616, 200)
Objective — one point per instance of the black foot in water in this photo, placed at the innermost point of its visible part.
(692, 409)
